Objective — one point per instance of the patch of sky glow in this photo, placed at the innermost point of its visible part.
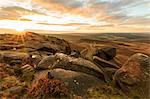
(111, 1)
(60, 19)
(52, 19)
(139, 10)
(26, 4)
(22, 25)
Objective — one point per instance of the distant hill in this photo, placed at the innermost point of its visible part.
(104, 36)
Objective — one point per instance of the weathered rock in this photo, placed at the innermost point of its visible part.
(47, 62)
(10, 47)
(35, 59)
(27, 73)
(77, 82)
(88, 53)
(106, 53)
(38, 42)
(6, 47)
(75, 53)
(16, 62)
(13, 57)
(101, 62)
(48, 50)
(110, 71)
(101, 54)
(27, 68)
(60, 60)
(134, 76)
(116, 61)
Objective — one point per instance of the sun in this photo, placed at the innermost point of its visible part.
(19, 29)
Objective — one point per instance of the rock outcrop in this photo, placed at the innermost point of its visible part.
(43, 63)
(13, 57)
(60, 60)
(36, 42)
(106, 53)
(134, 76)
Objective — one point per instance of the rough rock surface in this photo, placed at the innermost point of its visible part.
(104, 63)
(134, 76)
(46, 43)
(110, 52)
(29, 57)
(60, 60)
(13, 58)
(32, 42)
(27, 73)
(77, 82)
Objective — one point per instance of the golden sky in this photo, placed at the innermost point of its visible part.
(75, 16)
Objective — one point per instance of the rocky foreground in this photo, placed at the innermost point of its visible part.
(39, 66)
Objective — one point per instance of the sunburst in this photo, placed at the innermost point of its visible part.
(19, 29)
(21, 38)
(20, 35)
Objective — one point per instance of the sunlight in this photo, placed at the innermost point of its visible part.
(19, 29)
(20, 26)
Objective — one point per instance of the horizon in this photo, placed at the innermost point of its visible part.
(74, 16)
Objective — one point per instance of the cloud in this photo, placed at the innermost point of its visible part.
(15, 12)
(95, 15)
(25, 25)
(68, 3)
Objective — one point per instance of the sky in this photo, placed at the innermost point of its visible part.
(75, 16)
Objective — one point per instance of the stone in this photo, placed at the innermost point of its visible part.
(75, 53)
(134, 76)
(37, 42)
(46, 62)
(103, 63)
(77, 82)
(106, 53)
(16, 62)
(27, 68)
(60, 60)
(100, 54)
(110, 72)
(88, 53)
(14, 57)
(6, 47)
(27, 73)
(35, 59)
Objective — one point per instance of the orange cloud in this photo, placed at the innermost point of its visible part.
(76, 15)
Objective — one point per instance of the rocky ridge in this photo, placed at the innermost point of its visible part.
(44, 60)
